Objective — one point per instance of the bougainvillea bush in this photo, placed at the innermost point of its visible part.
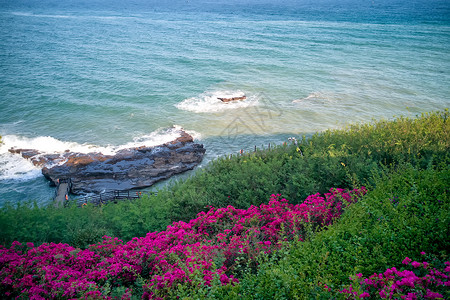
(418, 280)
(217, 246)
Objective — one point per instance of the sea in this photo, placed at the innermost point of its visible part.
(99, 75)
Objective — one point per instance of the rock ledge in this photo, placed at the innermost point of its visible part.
(128, 169)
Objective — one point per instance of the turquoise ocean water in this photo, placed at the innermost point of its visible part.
(98, 75)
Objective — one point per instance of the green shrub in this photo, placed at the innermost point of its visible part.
(334, 158)
(80, 227)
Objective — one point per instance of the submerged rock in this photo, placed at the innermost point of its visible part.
(231, 99)
(128, 169)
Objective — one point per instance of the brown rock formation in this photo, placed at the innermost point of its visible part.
(127, 169)
(232, 99)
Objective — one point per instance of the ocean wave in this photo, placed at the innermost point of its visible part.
(209, 102)
(313, 97)
(158, 137)
(28, 14)
(14, 167)
(71, 16)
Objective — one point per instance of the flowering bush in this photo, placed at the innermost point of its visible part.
(215, 246)
(419, 281)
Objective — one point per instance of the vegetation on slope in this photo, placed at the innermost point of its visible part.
(216, 246)
(336, 158)
(407, 213)
(275, 251)
(404, 163)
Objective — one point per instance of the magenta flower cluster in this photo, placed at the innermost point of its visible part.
(420, 281)
(206, 249)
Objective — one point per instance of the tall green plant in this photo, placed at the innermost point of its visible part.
(83, 226)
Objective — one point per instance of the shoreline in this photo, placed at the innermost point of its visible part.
(215, 148)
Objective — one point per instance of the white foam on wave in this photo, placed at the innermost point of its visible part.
(28, 14)
(14, 167)
(314, 97)
(55, 16)
(158, 137)
(48, 145)
(209, 102)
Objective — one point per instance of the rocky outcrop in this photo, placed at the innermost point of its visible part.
(231, 99)
(127, 169)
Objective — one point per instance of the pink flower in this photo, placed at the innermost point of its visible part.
(411, 296)
(416, 264)
(432, 295)
(364, 295)
(224, 279)
(227, 232)
(16, 243)
(406, 261)
(382, 294)
(423, 253)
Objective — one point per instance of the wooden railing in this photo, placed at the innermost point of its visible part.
(105, 197)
